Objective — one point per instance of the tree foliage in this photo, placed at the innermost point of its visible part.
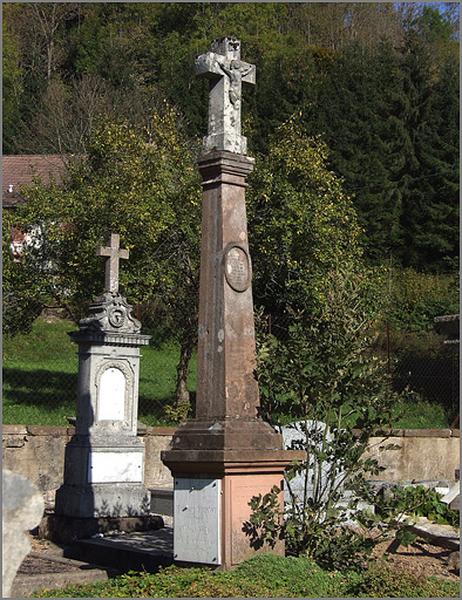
(378, 81)
(140, 182)
(301, 220)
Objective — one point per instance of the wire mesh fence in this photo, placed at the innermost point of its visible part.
(40, 375)
(434, 378)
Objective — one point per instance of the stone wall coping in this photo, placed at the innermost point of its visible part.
(53, 430)
(56, 430)
(159, 431)
(14, 429)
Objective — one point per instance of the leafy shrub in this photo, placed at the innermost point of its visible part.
(325, 372)
(419, 501)
(23, 294)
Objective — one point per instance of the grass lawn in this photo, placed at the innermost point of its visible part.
(40, 381)
(265, 576)
(40, 377)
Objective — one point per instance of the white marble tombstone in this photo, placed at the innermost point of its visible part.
(104, 463)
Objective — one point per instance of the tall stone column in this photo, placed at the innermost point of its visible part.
(227, 454)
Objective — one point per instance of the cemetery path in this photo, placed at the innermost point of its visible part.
(46, 568)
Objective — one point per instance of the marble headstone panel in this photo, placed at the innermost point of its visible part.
(295, 436)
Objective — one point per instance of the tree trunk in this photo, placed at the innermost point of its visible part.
(49, 60)
(181, 390)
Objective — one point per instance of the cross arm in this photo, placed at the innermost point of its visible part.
(207, 65)
(213, 65)
(248, 73)
(103, 251)
(108, 251)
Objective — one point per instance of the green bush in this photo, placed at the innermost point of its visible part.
(420, 501)
(324, 371)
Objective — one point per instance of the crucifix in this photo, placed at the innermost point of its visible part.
(226, 71)
(226, 454)
(114, 254)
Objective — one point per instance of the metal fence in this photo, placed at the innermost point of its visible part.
(40, 376)
(434, 378)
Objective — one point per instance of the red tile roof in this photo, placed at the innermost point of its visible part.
(20, 170)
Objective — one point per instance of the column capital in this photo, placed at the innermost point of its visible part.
(220, 166)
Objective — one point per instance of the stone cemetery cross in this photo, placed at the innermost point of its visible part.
(226, 454)
(226, 72)
(114, 253)
(104, 462)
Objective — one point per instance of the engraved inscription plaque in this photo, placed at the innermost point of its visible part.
(197, 531)
(237, 269)
(115, 467)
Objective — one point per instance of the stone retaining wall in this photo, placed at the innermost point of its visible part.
(37, 452)
(420, 455)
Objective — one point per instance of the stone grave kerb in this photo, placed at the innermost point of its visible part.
(104, 461)
(227, 453)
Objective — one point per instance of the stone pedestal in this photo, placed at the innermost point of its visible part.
(104, 461)
(227, 454)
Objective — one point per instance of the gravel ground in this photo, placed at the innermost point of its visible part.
(420, 558)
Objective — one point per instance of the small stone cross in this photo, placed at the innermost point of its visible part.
(114, 254)
(223, 66)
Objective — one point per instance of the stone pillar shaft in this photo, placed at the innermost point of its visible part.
(226, 350)
(227, 454)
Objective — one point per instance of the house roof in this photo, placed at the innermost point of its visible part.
(18, 170)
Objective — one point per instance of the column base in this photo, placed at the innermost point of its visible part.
(103, 500)
(65, 530)
(212, 491)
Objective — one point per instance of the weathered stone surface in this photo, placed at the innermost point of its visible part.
(62, 529)
(416, 458)
(440, 433)
(227, 441)
(104, 461)
(226, 71)
(452, 497)
(302, 435)
(440, 535)
(227, 392)
(114, 253)
(14, 429)
(112, 314)
(15, 441)
(45, 430)
(22, 510)
(41, 458)
(155, 472)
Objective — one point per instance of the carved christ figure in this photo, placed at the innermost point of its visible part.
(236, 72)
(226, 72)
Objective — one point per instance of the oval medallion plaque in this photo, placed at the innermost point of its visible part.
(237, 268)
(116, 317)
